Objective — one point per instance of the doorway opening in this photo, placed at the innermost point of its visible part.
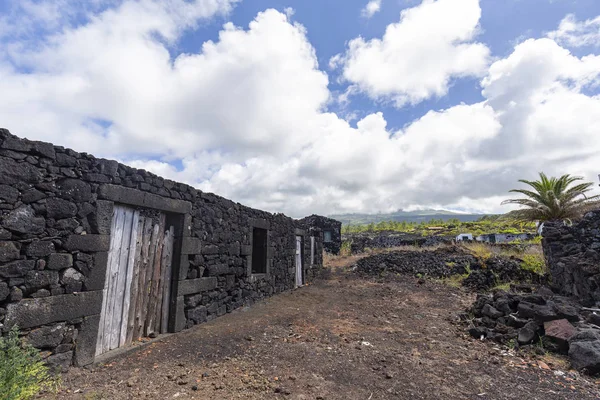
(259, 250)
(299, 272)
(137, 289)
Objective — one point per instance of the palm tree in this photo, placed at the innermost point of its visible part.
(553, 199)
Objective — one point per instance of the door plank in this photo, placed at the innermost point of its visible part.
(166, 297)
(101, 326)
(152, 301)
(161, 284)
(142, 284)
(111, 271)
(121, 274)
(129, 270)
(149, 274)
(135, 279)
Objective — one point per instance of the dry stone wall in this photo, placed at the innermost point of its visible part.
(573, 257)
(56, 210)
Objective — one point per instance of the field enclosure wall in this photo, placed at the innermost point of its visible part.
(573, 257)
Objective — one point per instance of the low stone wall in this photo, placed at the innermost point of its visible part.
(449, 261)
(573, 257)
(56, 210)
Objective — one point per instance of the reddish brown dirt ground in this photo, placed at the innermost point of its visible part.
(341, 338)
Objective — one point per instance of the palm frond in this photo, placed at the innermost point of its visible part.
(552, 199)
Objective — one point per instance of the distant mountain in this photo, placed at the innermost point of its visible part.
(408, 216)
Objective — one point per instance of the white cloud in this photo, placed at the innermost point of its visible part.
(246, 116)
(114, 69)
(372, 7)
(574, 33)
(289, 12)
(419, 56)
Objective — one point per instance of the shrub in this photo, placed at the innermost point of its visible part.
(346, 249)
(534, 262)
(23, 374)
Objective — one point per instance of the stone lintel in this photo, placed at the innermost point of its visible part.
(135, 197)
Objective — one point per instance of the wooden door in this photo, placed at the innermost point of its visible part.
(136, 293)
(298, 261)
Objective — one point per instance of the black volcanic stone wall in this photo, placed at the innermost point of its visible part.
(573, 257)
(55, 219)
(327, 224)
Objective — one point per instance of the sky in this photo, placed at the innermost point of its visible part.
(306, 106)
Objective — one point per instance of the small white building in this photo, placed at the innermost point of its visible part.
(464, 236)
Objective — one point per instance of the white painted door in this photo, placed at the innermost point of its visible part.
(298, 261)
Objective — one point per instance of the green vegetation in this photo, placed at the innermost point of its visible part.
(23, 374)
(452, 227)
(480, 251)
(346, 249)
(534, 262)
(512, 344)
(502, 286)
(416, 216)
(553, 199)
(454, 280)
(531, 256)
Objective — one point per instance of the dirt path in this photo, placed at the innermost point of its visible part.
(342, 338)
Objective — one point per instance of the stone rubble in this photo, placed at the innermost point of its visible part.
(556, 323)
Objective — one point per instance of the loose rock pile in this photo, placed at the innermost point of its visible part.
(557, 323)
(448, 261)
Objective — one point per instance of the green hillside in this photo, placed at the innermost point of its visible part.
(405, 216)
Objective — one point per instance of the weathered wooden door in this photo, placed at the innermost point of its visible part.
(135, 301)
(298, 261)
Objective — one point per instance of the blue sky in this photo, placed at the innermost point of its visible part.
(309, 106)
(331, 24)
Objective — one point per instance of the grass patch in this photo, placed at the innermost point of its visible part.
(481, 251)
(502, 286)
(454, 280)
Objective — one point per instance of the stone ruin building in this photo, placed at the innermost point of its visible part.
(331, 231)
(95, 255)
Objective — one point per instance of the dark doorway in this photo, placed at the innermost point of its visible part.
(259, 251)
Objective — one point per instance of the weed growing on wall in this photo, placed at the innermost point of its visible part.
(23, 374)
